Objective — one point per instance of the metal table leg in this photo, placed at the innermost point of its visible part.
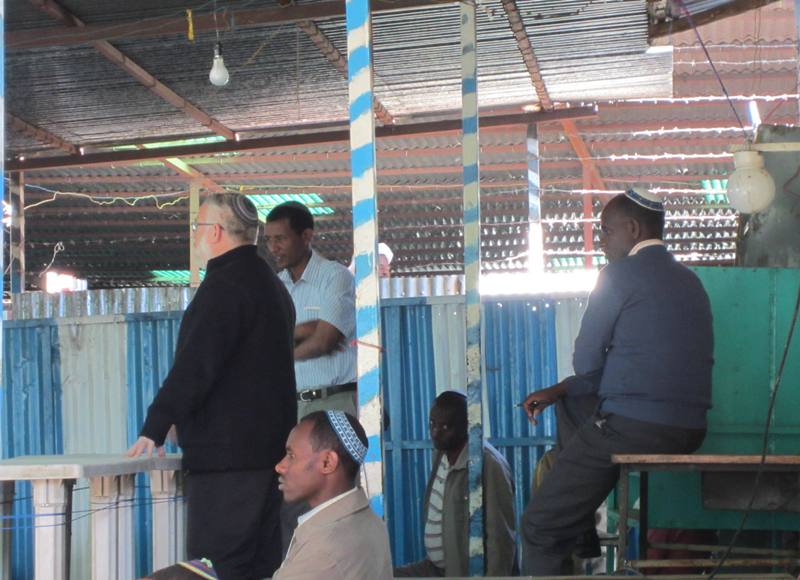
(622, 506)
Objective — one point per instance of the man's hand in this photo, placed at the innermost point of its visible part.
(304, 330)
(325, 340)
(145, 445)
(538, 401)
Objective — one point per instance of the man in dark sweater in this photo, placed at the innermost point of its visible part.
(231, 395)
(643, 360)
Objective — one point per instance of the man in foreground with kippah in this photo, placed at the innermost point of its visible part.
(231, 395)
(341, 538)
(642, 383)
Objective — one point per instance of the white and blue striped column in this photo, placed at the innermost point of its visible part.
(472, 270)
(365, 231)
(6, 491)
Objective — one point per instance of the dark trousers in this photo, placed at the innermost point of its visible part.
(582, 478)
(234, 521)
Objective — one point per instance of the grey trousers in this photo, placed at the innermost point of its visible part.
(581, 479)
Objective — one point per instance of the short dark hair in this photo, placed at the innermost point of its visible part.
(299, 216)
(452, 400)
(324, 437)
(652, 221)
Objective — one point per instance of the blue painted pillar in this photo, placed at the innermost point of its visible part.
(472, 270)
(2, 161)
(365, 231)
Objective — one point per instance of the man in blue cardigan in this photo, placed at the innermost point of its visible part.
(644, 353)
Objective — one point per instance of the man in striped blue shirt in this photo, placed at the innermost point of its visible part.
(323, 292)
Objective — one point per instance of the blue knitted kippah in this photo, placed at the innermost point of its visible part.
(345, 433)
(645, 199)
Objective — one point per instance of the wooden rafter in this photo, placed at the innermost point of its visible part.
(532, 64)
(114, 55)
(281, 142)
(158, 27)
(337, 59)
(42, 135)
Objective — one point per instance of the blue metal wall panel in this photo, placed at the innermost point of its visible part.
(409, 383)
(30, 408)
(151, 349)
(520, 356)
(520, 352)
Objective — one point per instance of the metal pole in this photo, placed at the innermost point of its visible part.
(17, 241)
(194, 208)
(588, 214)
(472, 270)
(535, 235)
(365, 232)
(2, 196)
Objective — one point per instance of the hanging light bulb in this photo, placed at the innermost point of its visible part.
(750, 188)
(218, 76)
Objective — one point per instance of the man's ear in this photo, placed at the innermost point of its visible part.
(330, 461)
(635, 228)
(307, 235)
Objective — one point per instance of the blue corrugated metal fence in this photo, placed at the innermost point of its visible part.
(424, 340)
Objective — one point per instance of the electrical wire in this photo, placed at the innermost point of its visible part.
(713, 68)
(765, 440)
(57, 249)
(107, 200)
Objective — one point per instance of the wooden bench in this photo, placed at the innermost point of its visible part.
(647, 463)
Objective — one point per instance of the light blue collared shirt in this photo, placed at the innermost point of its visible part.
(325, 291)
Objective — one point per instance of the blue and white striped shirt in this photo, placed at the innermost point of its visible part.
(325, 291)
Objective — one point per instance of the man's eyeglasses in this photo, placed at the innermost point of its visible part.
(196, 224)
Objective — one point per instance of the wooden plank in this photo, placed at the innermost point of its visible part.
(703, 460)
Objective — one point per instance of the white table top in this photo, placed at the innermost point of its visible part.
(78, 466)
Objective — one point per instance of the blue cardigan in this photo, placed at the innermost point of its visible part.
(646, 342)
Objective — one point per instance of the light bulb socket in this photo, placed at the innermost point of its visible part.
(217, 49)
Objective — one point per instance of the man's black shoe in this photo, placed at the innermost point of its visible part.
(588, 545)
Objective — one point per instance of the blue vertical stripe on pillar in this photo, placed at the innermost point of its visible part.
(365, 243)
(472, 268)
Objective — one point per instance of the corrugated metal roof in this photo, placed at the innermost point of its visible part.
(579, 46)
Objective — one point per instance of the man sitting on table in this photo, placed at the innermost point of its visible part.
(341, 538)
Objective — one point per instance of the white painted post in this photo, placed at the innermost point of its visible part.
(365, 232)
(194, 260)
(125, 543)
(103, 503)
(49, 502)
(472, 272)
(169, 543)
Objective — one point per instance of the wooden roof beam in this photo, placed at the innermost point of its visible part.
(114, 55)
(282, 142)
(338, 60)
(42, 135)
(532, 64)
(158, 27)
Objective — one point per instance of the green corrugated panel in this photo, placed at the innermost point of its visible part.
(264, 202)
(752, 311)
